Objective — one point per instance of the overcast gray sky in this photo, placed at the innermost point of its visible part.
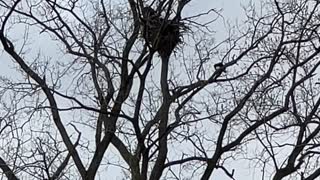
(232, 12)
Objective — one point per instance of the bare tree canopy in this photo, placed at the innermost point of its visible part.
(141, 89)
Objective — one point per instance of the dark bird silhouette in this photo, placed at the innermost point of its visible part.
(219, 66)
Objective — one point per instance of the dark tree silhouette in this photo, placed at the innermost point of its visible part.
(132, 88)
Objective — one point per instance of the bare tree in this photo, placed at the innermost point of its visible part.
(135, 86)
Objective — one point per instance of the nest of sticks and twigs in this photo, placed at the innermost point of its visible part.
(163, 35)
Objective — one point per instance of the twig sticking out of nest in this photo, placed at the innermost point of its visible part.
(161, 34)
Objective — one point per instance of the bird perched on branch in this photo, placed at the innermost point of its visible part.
(219, 66)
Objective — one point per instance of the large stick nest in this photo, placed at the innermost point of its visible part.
(163, 35)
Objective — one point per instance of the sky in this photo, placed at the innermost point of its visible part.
(231, 10)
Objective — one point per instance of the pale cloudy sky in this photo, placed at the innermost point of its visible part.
(232, 12)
